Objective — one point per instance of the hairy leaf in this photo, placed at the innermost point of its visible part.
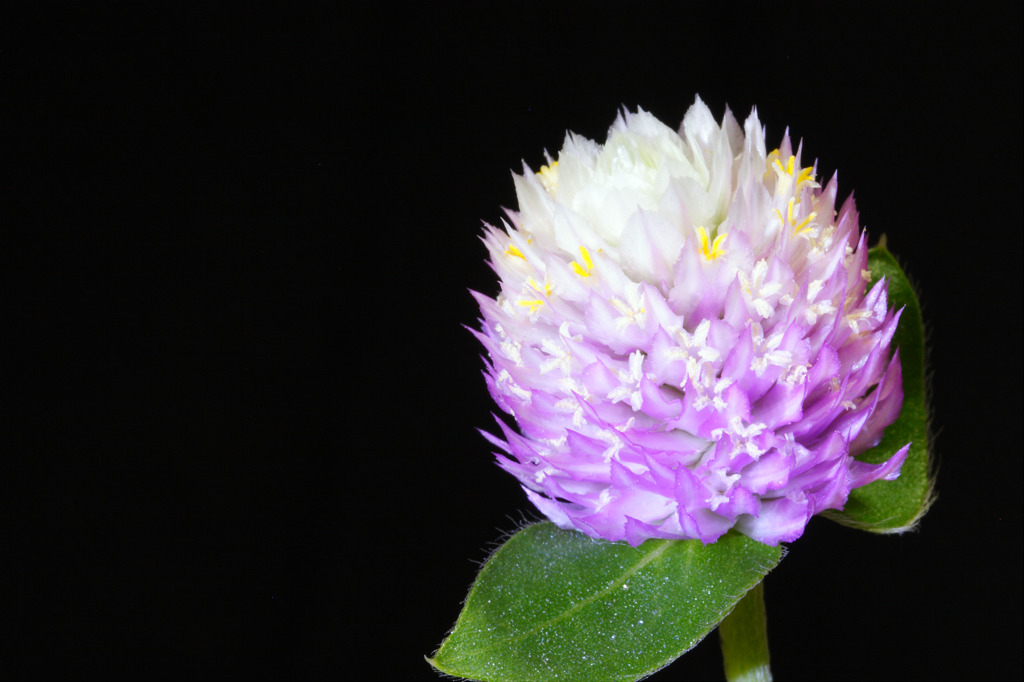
(554, 604)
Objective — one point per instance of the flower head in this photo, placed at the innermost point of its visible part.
(685, 336)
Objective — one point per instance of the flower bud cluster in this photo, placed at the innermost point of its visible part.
(685, 336)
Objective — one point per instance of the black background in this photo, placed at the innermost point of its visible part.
(237, 249)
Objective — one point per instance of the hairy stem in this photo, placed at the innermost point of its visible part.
(744, 638)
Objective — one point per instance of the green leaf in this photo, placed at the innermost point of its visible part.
(897, 506)
(554, 604)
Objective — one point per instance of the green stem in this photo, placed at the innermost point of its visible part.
(744, 637)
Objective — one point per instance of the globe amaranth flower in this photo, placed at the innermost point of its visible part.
(685, 336)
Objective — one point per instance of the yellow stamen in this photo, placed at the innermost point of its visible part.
(513, 251)
(806, 175)
(716, 246)
(771, 161)
(549, 177)
(803, 226)
(586, 257)
(536, 287)
(531, 304)
(535, 303)
(789, 212)
(588, 264)
(713, 250)
(790, 162)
